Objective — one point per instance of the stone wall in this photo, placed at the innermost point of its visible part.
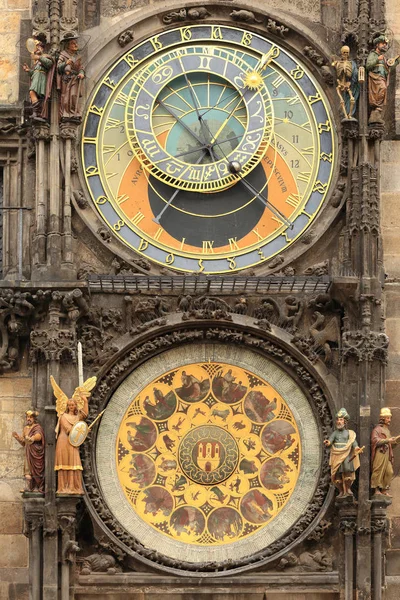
(15, 399)
(11, 14)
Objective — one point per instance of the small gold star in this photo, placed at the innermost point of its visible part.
(253, 80)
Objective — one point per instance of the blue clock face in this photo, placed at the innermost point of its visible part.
(208, 148)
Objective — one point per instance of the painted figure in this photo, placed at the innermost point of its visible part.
(41, 78)
(161, 407)
(70, 74)
(32, 439)
(378, 68)
(344, 460)
(348, 88)
(382, 444)
(192, 389)
(70, 411)
(227, 389)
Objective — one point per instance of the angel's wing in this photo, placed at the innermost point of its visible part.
(83, 391)
(61, 398)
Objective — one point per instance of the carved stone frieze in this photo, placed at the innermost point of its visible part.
(364, 346)
(52, 345)
(183, 14)
(231, 335)
(96, 331)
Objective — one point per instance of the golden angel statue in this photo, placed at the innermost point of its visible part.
(70, 411)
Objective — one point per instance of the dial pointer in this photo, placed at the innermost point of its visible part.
(171, 112)
(160, 214)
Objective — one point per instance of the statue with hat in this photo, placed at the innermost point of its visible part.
(378, 68)
(32, 439)
(344, 460)
(41, 74)
(70, 75)
(382, 444)
(348, 87)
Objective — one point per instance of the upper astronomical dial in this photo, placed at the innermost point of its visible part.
(190, 117)
(208, 149)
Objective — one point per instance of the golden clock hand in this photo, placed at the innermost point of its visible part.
(267, 58)
(225, 122)
(253, 190)
(160, 214)
(191, 92)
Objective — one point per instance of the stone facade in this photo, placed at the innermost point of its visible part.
(56, 242)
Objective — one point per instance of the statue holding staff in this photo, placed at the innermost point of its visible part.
(382, 443)
(344, 460)
(32, 439)
(70, 74)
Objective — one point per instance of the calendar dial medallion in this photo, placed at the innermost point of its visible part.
(208, 149)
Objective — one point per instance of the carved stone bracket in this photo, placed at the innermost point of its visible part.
(16, 311)
(216, 333)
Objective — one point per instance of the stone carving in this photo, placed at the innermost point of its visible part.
(80, 199)
(100, 563)
(105, 234)
(125, 38)
(193, 14)
(348, 87)
(320, 560)
(348, 526)
(344, 460)
(321, 62)
(318, 269)
(16, 308)
(32, 439)
(151, 309)
(337, 195)
(69, 551)
(241, 306)
(364, 346)
(244, 16)
(41, 73)
(207, 307)
(70, 411)
(96, 332)
(275, 262)
(225, 335)
(378, 69)
(70, 75)
(285, 314)
(120, 267)
(273, 27)
(323, 337)
(84, 271)
(382, 443)
(320, 531)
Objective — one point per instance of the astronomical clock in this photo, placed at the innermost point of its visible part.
(208, 149)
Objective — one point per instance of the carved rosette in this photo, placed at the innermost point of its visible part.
(144, 350)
